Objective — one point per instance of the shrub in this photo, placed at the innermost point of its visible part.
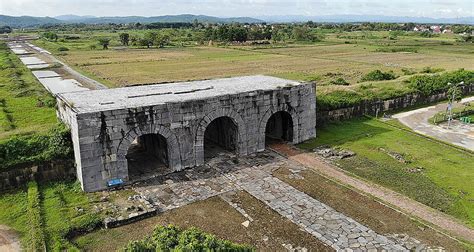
(338, 99)
(171, 238)
(378, 75)
(407, 71)
(20, 150)
(339, 81)
(63, 49)
(431, 70)
(430, 84)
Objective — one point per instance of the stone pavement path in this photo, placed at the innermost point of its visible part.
(254, 175)
(331, 227)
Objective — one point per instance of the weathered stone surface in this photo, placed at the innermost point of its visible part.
(104, 123)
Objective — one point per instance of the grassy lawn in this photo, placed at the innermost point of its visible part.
(25, 106)
(58, 207)
(433, 174)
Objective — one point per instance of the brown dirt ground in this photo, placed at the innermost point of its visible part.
(380, 218)
(217, 217)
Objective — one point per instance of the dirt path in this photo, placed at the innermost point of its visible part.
(405, 204)
(458, 134)
(9, 240)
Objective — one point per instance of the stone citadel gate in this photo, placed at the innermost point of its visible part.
(168, 127)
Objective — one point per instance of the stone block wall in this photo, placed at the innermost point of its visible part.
(101, 139)
(43, 172)
(381, 106)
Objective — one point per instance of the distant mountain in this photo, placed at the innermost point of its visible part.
(26, 21)
(367, 18)
(73, 17)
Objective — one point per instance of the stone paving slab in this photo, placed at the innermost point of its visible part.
(39, 66)
(31, 60)
(19, 51)
(56, 85)
(45, 74)
(254, 175)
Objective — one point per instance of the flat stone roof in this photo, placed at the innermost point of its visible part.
(149, 95)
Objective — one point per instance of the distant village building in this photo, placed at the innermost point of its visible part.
(447, 31)
(420, 28)
(436, 28)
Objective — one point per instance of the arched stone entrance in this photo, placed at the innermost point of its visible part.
(151, 149)
(279, 127)
(280, 123)
(234, 137)
(220, 135)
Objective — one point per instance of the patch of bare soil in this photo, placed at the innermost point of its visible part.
(267, 231)
(380, 218)
(9, 240)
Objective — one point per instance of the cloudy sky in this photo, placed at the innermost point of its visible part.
(227, 8)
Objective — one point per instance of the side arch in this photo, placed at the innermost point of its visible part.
(174, 153)
(207, 119)
(264, 120)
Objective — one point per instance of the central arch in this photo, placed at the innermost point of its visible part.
(292, 135)
(239, 142)
(157, 142)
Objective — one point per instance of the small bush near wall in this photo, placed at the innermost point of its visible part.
(26, 150)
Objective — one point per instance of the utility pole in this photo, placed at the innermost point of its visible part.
(450, 106)
(452, 100)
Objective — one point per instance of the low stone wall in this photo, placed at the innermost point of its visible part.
(381, 106)
(44, 172)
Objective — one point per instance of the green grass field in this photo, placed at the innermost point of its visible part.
(59, 214)
(433, 174)
(25, 106)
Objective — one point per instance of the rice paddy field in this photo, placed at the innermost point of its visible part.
(346, 55)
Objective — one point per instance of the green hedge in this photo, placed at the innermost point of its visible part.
(431, 84)
(21, 150)
(172, 238)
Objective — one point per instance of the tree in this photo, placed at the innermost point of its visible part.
(5, 29)
(50, 36)
(104, 42)
(454, 92)
(161, 40)
(148, 39)
(124, 38)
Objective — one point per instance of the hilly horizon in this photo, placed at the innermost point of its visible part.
(31, 21)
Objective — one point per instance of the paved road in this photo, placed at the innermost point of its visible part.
(458, 134)
(9, 240)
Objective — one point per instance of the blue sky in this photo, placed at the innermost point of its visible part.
(227, 8)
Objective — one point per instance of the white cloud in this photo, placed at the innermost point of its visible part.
(430, 8)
